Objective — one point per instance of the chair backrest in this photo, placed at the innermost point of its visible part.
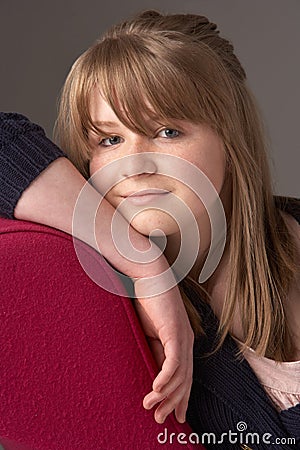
(75, 364)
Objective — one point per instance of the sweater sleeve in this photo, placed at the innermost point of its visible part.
(25, 152)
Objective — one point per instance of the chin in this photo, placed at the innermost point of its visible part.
(156, 224)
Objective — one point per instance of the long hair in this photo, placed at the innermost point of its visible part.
(177, 66)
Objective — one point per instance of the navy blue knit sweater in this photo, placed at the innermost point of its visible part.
(226, 395)
(25, 152)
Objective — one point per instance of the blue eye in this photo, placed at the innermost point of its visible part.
(109, 141)
(169, 133)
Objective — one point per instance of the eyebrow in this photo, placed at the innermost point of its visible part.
(101, 123)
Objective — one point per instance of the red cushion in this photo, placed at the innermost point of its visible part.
(75, 364)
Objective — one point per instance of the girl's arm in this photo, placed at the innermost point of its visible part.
(40, 185)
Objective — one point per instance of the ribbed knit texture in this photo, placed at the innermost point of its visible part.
(25, 152)
(226, 391)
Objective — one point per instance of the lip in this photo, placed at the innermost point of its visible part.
(145, 196)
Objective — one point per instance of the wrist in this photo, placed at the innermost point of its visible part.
(157, 284)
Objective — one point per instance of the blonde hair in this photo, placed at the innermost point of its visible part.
(177, 66)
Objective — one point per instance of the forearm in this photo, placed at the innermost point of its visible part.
(39, 184)
(51, 198)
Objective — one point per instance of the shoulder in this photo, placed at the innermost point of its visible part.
(14, 124)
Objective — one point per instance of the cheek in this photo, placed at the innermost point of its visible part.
(216, 173)
(104, 178)
(94, 165)
(213, 165)
(96, 172)
(99, 162)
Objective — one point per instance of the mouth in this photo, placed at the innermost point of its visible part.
(145, 196)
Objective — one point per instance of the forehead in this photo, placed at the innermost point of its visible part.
(102, 113)
(143, 81)
(100, 110)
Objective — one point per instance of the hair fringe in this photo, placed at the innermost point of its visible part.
(135, 63)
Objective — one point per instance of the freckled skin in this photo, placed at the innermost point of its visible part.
(195, 143)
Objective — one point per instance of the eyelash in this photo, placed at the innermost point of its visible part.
(178, 133)
(101, 143)
(170, 129)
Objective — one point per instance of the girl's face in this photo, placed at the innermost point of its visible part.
(194, 143)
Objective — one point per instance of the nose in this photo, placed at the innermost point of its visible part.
(140, 158)
(137, 164)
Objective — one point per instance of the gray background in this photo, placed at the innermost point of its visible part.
(39, 40)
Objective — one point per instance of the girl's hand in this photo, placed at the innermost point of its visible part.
(50, 199)
(171, 338)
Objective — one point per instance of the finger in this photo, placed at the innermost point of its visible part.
(151, 399)
(169, 367)
(169, 404)
(181, 408)
(169, 370)
(180, 378)
(155, 397)
(183, 380)
(179, 391)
